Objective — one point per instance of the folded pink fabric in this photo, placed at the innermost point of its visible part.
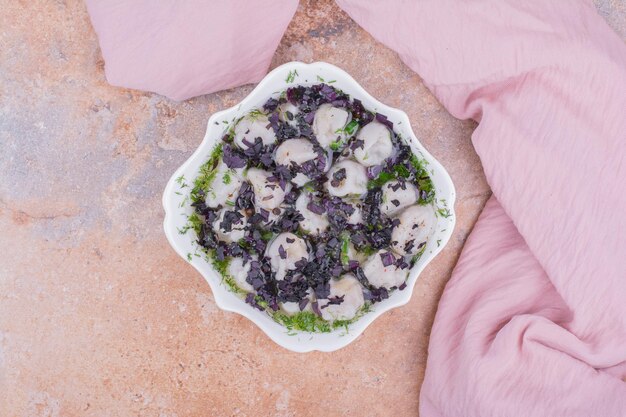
(533, 320)
(182, 49)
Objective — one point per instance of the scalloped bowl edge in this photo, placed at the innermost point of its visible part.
(176, 209)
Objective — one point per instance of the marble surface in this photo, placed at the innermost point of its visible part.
(98, 316)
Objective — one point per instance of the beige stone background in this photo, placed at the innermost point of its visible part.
(98, 316)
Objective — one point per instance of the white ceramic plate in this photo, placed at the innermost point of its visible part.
(177, 207)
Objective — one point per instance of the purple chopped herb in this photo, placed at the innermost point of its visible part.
(315, 208)
(373, 171)
(232, 158)
(316, 308)
(383, 119)
(387, 258)
(338, 176)
(334, 300)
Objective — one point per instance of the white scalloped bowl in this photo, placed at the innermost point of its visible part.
(177, 210)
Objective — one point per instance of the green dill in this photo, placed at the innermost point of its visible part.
(222, 268)
(368, 250)
(425, 184)
(178, 193)
(304, 321)
(189, 256)
(195, 222)
(181, 181)
(345, 246)
(307, 321)
(183, 202)
(229, 203)
(335, 145)
(202, 183)
(291, 76)
(255, 114)
(350, 128)
(401, 171)
(380, 180)
(367, 307)
(320, 78)
(226, 178)
(267, 235)
(331, 81)
(418, 255)
(444, 212)
(309, 187)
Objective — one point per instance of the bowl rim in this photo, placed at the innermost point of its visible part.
(282, 77)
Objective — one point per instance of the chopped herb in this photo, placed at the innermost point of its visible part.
(181, 181)
(418, 255)
(425, 184)
(345, 242)
(307, 321)
(291, 76)
(226, 178)
(382, 178)
(401, 171)
(351, 127)
(208, 170)
(444, 212)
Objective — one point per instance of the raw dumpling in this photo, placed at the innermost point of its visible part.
(380, 275)
(224, 188)
(239, 271)
(416, 225)
(377, 144)
(355, 255)
(357, 215)
(348, 287)
(230, 225)
(398, 195)
(347, 178)
(292, 307)
(313, 223)
(267, 194)
(328, 123)
(296, 151)
(252, 127)
(284, 252)
(287, 113)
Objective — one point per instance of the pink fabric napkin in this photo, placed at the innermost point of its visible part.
(182, 49)
(533, 320)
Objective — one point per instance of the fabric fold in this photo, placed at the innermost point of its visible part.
(183, 49)
(533, 320)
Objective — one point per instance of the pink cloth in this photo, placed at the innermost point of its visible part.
(182, 49)
(533, 320)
